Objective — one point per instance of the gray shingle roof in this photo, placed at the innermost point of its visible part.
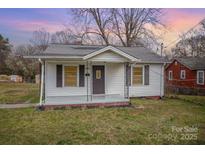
(194, 63)
(71, 50)
(82, 50)
(142, 53)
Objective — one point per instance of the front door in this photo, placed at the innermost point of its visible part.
(98, 79)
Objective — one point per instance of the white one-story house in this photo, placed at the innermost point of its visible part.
(87, 74)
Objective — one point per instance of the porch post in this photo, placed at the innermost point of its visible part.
(87, 80)
(91, 81)
(128, 83)
(42, 82)
(127, 80)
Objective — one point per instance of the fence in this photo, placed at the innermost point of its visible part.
(183, 89)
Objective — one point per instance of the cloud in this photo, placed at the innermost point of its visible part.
(25, 22)
(32, 25)
(181, 20)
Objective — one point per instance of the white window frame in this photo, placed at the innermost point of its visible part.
(170, 76)
(142, 75)
(77, 75)
(198, 77)
(181, 74)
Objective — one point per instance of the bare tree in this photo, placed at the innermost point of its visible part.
(23, 50)
(66, 37)
(128, 26)
(191, 43)
(96, 21)
(21, 66)
(40, 39)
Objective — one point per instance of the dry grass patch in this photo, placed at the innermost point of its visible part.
(18, 93)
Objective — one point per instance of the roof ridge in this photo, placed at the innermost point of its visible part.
(96, 45)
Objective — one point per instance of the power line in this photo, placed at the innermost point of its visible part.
(176, 40)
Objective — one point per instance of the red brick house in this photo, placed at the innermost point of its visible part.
(186, 75)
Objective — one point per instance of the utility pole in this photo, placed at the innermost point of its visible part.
(162, 46)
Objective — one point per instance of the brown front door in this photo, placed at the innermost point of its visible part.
(98, 79)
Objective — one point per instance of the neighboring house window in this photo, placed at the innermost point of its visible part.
(200, 77)
(182, 74)
(137, 75)
(170, 75)
(70, 76)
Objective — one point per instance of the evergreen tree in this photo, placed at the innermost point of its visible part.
(5, 50)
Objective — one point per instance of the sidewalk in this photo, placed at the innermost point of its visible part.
(13, 106)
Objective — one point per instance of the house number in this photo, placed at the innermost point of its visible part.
(98, 74)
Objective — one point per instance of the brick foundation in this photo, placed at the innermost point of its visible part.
(87, 105)
(149, 97)
(153, 97)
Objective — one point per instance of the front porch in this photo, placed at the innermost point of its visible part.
(88, 101)
(67, 100)
(104, 88)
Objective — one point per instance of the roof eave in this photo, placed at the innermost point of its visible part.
(152, 62)
(52, 57)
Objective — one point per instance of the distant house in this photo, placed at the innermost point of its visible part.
(16, 78)
(186, 75)
(4, 78)
(37, 78)
(95, 75)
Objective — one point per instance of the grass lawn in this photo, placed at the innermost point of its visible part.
(152, 123)
(18, 93)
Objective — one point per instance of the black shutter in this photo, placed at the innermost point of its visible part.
(81, 75)
(59, 75)
(146, 74)
(128, 75)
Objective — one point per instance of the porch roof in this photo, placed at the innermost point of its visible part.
(59, 51)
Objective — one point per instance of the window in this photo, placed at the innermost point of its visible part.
(70, 76)
(137, 75)
(98, 74)
(200, 77)
(170, 75)
(182, 74)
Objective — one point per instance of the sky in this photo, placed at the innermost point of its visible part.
(19, 24)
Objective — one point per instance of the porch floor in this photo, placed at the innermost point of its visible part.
(69, 100)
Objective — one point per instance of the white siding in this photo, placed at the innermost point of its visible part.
(153, 89)
(115, 78)
(114, 81)
(109, 56)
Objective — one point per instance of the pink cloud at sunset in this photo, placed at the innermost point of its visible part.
(178, 22)
(24, 21)
(30, 26)
(181, 21)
